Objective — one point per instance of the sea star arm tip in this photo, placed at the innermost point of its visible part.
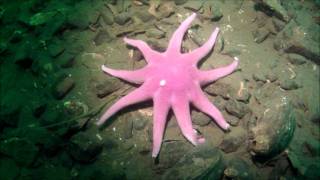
(181, 110)
(148, 53)
(203, 104)
(175, 42)
(130, 76)
(161, 108)
(138, 95)
(215, 74)
(203, 50)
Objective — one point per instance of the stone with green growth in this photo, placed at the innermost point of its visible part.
(275, 129)
(23, 151)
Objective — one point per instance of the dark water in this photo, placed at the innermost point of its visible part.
(53, 90)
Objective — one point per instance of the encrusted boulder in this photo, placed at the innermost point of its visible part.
(274, 130)
(23, 151)
(200, 163)
(84, 147)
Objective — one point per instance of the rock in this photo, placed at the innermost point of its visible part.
(215, 169)
(271, 76)
(74, 108)
(155, 33)
(8, 169)
(274, 63)
(56, 47)
(298, 102)
(180, 2)
(295, 39)
(219, 102)
(144, 16)
(136, 55)
(91, 61)
(16, 36)
(281, 167)
(166, 9)
(49, 170)
(232, 120)
(23, 151)
(53, 26)
(52, 115)
(63, 87)
(127, 145)
(1, 13)
(106, 87)
(109, 143)
(259, 77)
(312, 172)
(39, 109)
(99, 171)
(83, 15)
(244, 96)
(23, 60)
(139, 122)
(232, 141)
(107, 16)
(41, 18)
(278, 24)
(261, 19)
(103, 36)
(301, 158)
(264, 93)
(289, 84)
(230, 51)
(273, 7)
(311, 149)
(9, 109)
(200, 118)
(43, 65)
(199, 163)
(122, 18)
(237, 168)
(220, 89)
(47, 141)
(193, 5)
(237, 109)
(66, 59)
(219, 46)
(171, 152)
(274, 130)
(195, 35)
(260, 35)
(3, 47)
(123, 5)
(212, 11)
(126, 129)
(156, 45)
(84, 147)
(296, 59)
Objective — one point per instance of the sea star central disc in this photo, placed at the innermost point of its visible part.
(172, 80)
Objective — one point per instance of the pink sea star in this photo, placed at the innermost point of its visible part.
(172, 80)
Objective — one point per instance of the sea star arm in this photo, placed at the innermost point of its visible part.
(177, 37)
(138, 95)
(136, 77)
(182, 111)
(161, 108)
(212, 75)
(201, 102)
(148, 53)
(197, 54)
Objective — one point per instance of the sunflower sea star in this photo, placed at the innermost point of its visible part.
(172, 80)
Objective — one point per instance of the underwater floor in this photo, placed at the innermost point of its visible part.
(53, 90)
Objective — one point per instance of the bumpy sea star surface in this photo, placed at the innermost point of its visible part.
(172, 80)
